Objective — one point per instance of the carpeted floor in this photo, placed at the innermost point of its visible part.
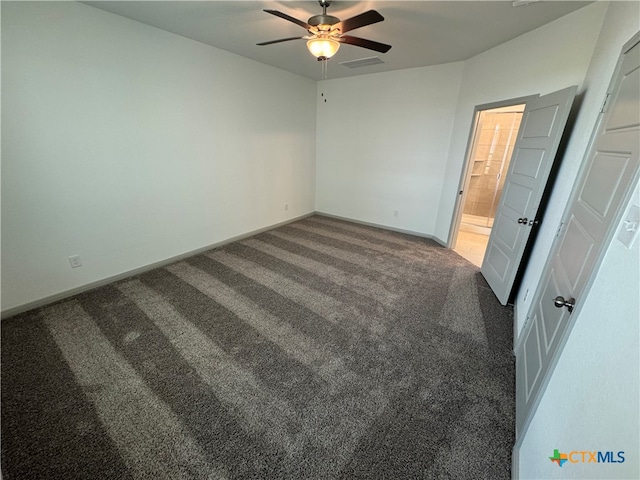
(319, 350)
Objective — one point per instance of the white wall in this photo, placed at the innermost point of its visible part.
(592, 400)
(128, 145)
(542, 61)
(382, 145)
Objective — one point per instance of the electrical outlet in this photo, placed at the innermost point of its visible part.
(286, 207)
(395, 213)
(75, 261)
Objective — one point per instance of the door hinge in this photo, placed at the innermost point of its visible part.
(605, 103)
(559, 229)
(527, 319)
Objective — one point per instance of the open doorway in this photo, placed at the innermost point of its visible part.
(495, 133)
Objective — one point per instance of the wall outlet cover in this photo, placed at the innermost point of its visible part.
(628, 231)
(75, 261)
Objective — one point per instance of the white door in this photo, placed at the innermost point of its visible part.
(608, 175)
(538, 139)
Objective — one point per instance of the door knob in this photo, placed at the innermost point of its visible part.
(523, 220)
(560, 302)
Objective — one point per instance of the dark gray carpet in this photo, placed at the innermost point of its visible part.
(318, 350)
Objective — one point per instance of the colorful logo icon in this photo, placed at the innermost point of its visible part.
(587, 456)
(559, 458)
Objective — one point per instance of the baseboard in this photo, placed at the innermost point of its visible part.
(515, 328)
(384, 227)
(10, 312)
(515, 462)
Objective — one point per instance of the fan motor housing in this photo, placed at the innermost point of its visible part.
(323, 19)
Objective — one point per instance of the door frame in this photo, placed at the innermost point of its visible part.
(463, 184)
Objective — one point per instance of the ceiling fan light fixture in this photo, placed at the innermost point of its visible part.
(326, 32)
(323, 47)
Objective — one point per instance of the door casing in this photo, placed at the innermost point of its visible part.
(463, 184)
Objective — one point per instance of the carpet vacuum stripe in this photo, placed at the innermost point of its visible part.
(131, 412)
(262, 410)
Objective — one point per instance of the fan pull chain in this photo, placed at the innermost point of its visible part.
(324, 68)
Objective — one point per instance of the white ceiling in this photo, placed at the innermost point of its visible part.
(422, 33)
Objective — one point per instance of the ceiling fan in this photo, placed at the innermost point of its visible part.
(327, 32)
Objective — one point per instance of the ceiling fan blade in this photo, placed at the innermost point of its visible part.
(304, 25)
(279, 40)
(361, 42)
(362, 20)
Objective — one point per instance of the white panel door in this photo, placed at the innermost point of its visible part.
(598, 198)
(543, 122)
